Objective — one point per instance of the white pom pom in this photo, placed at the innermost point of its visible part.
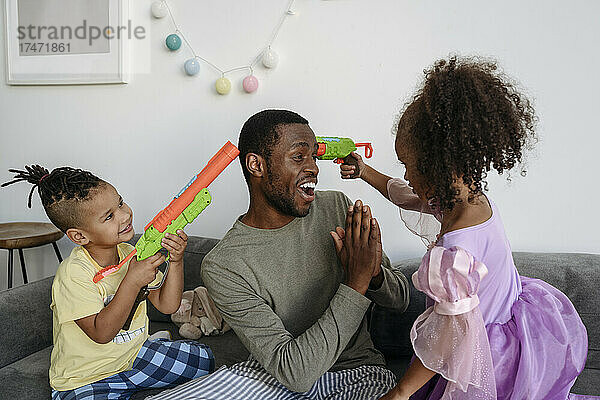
(159, 9)
(270, 59)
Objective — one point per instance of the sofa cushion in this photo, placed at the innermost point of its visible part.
(588, 382)
(27, 378)
(26, 323)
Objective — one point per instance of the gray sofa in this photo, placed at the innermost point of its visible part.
(26, 321)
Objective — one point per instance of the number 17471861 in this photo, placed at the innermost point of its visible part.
(41, 47)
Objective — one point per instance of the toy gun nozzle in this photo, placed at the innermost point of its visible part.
(368, 149)
(322, 149)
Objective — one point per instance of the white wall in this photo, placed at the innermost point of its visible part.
(345, 65)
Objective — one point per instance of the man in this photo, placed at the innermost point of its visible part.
(278, 283)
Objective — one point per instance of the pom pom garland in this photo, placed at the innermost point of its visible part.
(268, 57)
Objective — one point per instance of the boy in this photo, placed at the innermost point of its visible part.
(92, 355)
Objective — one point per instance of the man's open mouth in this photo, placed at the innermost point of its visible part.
(307, 190)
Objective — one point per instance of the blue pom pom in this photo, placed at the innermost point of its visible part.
(173, 42)
(192, 66)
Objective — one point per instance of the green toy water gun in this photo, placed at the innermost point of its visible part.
(338, 148)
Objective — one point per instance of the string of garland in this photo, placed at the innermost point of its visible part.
(267, 55)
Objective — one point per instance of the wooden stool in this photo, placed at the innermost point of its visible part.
(22, 235)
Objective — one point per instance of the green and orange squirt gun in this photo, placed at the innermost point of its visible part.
(338, 149)
(182, 210)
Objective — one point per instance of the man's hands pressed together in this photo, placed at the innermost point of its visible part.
(359, 248)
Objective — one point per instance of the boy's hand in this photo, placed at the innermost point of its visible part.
(142, 273)
(175, 244)
(353, 167)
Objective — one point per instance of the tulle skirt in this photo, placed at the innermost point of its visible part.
(538, 353)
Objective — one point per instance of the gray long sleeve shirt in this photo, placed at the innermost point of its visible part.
(281, 291)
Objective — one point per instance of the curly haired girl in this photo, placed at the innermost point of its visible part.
(487, 332)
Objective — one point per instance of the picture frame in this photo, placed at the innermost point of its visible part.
(105, 60)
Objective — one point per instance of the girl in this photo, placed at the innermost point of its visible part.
(487, 332)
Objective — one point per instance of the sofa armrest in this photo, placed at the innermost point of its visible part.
(25, 320)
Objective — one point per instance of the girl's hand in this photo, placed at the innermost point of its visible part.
(353, 167)
(175, 244)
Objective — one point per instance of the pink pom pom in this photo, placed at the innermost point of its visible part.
(250, 83)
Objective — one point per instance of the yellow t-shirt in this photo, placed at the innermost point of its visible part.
(76, 359)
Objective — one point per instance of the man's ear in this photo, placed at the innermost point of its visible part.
(256, 165)
(77, 236)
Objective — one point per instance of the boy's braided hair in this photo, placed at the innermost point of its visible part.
(466, 119)
(61, 191)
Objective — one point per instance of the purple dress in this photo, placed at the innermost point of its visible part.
(482, 317)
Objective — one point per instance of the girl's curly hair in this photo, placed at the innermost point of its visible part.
(466, 119)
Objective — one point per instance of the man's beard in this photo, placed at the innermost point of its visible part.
(281, 200)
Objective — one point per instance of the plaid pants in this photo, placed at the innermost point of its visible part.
(249, 381)
(160, 363)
